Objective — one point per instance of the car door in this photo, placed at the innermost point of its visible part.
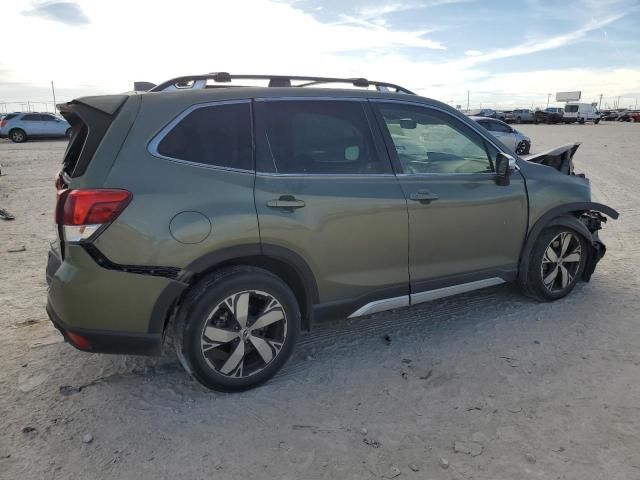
(463, 227)
(32, 124)
(52, 126)
(504, 133)
(325, 190)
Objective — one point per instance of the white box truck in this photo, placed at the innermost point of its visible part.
(581, 112)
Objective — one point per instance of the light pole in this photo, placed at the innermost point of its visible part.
(53, 90)
(467, 100)
(600, 102)
(548, 97)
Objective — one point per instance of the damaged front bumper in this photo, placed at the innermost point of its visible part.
(593, 221)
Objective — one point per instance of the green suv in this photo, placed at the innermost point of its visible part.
(235, 216)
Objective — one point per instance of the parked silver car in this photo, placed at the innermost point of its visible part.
(19, 127)
(512, 138)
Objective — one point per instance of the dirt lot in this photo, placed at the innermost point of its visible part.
(527, 390)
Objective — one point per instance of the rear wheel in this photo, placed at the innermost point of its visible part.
(17, 135)
(237, 328)
(556, 264)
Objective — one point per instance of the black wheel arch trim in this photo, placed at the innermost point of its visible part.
(172, 294)
(564, 215)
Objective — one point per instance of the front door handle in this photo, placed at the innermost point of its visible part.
(286, 202)
(423, 196)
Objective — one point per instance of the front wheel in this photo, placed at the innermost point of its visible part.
(522, 148)
(556, 264)
(236, 328)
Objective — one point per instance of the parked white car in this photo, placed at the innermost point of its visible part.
(19, 127)
(580, 112)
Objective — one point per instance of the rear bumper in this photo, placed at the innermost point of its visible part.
(101, 341)
(114, 311)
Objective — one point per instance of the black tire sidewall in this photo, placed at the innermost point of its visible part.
(535, 282)
(199, 306)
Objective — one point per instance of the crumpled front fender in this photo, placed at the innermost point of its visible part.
(583, 217)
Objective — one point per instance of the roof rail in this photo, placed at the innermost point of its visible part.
(197, 82)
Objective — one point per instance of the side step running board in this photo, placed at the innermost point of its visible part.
(414, 299)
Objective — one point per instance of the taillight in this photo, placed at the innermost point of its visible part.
(83, 212)
(2, 123)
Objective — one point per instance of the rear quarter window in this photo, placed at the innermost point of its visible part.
(216, 135)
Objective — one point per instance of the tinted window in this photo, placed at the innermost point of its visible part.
(47, 118)
(31, 118)
(217, 135)
(498, 127)
(571, 108)
(10, 116)
(428, 141)
(317, 137)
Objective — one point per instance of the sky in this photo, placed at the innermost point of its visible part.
(505, 53)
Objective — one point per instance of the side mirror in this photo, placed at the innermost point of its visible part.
(505, 164)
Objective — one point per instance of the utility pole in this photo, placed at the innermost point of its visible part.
(53, 90)
(467, 100)
(548, 97)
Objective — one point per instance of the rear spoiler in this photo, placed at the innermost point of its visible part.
(90, 118)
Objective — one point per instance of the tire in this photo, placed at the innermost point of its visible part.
(546, 280)
(17, 135)
(68, 133)
(522, 148)
(518, 120)
(581, 121)
(228, 303)
(596, 121)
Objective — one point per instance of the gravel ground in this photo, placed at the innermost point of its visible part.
(489, 385)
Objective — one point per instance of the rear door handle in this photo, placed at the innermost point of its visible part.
(423, 196)
(286, 202)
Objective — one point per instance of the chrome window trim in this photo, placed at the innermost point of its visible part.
(442, 110)
(326, 175)
(310, 98)
(152, 146)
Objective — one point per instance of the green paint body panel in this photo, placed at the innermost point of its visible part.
(352, 232)
(88, 296)
(357, 234)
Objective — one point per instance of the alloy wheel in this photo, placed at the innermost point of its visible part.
(561, 262)
(521, 148)
(244, 333)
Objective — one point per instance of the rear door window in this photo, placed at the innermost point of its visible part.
(216, 135)
(498, 127)
(316, 137)
(33, 117)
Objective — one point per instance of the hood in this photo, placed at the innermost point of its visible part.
(560, 158)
